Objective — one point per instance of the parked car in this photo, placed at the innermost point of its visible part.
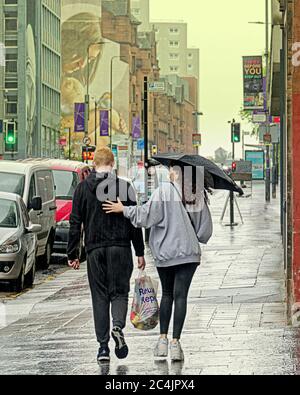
(34, 183)
(67, 175)
(18, 242)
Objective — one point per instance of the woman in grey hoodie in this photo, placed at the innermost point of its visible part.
(178, 220)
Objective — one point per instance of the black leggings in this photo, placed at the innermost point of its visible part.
(176, 282)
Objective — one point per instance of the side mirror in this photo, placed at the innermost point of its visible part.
(36, 204)
(34, 228)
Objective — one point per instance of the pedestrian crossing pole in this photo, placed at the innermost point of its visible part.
(231, 194)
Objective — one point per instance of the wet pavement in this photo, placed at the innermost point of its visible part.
(236, 321)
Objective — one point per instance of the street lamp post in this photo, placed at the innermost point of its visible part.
(197, 115)
(111, 98)
(268, 172)
(87, 96)
(243, 142)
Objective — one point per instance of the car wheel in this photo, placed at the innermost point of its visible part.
(31, 276)
(19, 283)
(45, 260)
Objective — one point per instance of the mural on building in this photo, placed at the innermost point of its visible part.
(31, 75)
(81, 28)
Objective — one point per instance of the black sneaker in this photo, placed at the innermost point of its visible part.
(121, 346)
(103, 355)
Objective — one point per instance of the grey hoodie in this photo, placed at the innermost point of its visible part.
(173, 240)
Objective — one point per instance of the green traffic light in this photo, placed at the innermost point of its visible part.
(10, 140)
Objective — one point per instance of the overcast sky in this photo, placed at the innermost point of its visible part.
(222, 32)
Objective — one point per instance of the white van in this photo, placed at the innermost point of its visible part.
(35, 184)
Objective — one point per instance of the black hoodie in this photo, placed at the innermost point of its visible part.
(101, 229)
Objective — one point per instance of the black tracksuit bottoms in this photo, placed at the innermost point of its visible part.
(109, 273)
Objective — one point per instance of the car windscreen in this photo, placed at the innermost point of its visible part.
(12, 183)
(8, 214)
(66, 183)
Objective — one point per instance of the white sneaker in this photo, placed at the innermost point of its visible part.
(161, 348)
(177, 354)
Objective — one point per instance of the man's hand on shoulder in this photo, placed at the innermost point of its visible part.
(141, 263)
(75, 264)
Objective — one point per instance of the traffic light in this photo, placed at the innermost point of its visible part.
(236, 133)
(233, 167)
(10, 137)
(154, 150)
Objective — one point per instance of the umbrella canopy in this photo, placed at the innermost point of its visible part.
(215, 177)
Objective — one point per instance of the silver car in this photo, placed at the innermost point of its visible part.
(18, 242)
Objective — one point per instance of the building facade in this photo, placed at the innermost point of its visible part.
(140, 9)
(291, 144)
(193, 62)
(30, 76)
(171, 47)
(284, 94)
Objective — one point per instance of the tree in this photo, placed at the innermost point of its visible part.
(221, 155)
(247, 116)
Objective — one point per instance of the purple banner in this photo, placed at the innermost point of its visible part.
(104, 123)
(136, 127)
(79, 117)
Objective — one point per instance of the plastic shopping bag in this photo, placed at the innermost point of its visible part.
(145, 308)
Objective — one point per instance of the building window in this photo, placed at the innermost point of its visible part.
(11, 63)
(174, 44)
(174, 30)
(190, 66)
(133, 99)
(11, 43)
(11, 108)
(133, 64)
(174, 69)
(174, 56)
(11, 24)
(190, 55)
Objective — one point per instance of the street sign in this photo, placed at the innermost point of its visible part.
(276, 120)
(258, 163)
(268, 138)
(242, 170)
(197, 140)
(259, 117)
(157, 87)
(275, 133)
(141, 144)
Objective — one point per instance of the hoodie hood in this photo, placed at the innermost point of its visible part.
(106, 180)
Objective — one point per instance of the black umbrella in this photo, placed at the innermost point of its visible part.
(214, 176)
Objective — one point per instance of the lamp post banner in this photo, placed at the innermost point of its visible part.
(104, 123)
(136, 127)
(254, 96)
(79, 117)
